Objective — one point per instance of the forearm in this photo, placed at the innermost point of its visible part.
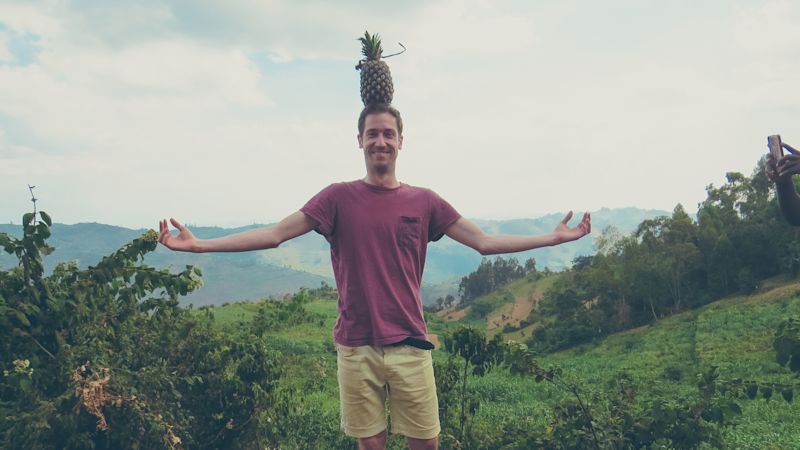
(257, 239)
(469, 234)
(496, 244)
(788, 200)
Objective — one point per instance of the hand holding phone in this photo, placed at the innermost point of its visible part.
(775, 146)
(781, 165)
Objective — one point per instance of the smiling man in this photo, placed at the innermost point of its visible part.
(378, 229)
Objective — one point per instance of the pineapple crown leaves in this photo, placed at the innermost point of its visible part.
(371, 46)
(372, 49)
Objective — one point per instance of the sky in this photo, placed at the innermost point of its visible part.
(237, 112)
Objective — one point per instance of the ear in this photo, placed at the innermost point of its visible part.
(360, 142)
(400, 142)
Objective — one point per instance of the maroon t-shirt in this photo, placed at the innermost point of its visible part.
(378, 238)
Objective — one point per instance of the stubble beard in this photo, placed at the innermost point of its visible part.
(380, 168)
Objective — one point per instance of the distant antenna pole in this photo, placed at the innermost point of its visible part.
(33, 199)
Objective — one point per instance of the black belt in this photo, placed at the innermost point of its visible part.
(418, 343)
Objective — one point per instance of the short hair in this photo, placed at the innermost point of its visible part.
(378, 108)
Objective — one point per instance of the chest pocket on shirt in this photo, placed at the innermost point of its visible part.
(409, 230)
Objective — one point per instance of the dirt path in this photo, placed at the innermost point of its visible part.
(453, 314)
(514, 313)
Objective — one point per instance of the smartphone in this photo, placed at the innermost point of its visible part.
(775, 147)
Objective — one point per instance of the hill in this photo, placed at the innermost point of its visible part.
(734, 334)
(657, 362)
(305, 261)
(226, 276)
(447, 258)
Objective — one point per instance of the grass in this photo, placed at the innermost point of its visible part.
(233, 314)
(486, 308)
(662, 360)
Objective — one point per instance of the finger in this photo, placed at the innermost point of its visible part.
(589, 223)
(177, 225)
(787, 158)
(789, 166)
(790, 148)
(567, 218)
(165, 230)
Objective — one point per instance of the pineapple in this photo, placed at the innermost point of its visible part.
(376, 80)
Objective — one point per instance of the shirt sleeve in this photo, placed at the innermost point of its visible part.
(442, 216)
(322, 208)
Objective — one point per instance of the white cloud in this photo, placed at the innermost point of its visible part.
(24, 17)
(588, 126)
(510, 109)
(5, 52)
(78, 96)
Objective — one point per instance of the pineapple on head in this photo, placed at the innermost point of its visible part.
(376, 80)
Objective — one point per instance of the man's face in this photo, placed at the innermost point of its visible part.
(380, 141)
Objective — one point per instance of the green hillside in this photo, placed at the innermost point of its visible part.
(661, 361)
(734, 334)
(511, 309)
(226, 276)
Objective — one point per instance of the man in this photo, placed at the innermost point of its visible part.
(781, 171)
(378, 230)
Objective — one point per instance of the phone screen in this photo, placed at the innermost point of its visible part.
(774, 143)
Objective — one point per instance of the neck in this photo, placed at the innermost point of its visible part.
(387, 180)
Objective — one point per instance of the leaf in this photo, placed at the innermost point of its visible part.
(734, 408)
(783, 349)
(752, 391)
(794, 364)
(43, 231)
(766, 392)
(46, 218)
(22, 318)
(6, 242)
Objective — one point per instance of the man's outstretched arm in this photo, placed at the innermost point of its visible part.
(257, 239)
(470, 235)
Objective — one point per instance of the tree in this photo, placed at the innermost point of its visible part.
(103, 357)
(478, 356)
(530, 266)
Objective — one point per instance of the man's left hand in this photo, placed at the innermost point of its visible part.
(565, 233)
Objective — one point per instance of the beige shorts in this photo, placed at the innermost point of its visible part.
(367, 375)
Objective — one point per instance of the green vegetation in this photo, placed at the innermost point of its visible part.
(672, 264)
(730, 340)
(629, 348)
(140, 371)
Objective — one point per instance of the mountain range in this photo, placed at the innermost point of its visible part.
(305, 261)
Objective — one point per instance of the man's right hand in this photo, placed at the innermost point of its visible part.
(183, 242)
(784, 168)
